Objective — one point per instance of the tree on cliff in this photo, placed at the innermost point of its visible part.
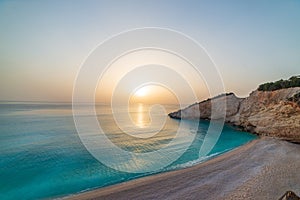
(294, 81)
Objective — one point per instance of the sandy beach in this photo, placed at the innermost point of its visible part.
(262, 169)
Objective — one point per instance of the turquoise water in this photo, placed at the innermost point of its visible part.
(41, 155)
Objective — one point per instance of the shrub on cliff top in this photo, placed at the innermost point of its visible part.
(294, 81)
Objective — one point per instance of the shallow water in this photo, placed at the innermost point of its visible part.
(42, 156)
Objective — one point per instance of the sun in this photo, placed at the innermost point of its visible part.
(143, 91)
(152, 94)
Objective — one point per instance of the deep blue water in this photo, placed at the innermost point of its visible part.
(41, 155)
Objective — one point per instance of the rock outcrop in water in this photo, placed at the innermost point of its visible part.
(267, 113)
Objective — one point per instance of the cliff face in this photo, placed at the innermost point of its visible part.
(203, 109)
(273, 113)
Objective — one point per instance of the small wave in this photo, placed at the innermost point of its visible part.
(197, 161)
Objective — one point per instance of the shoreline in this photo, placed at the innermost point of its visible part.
(127, 184)
(270, 163)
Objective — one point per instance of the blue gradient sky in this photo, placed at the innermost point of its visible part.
(43, 43)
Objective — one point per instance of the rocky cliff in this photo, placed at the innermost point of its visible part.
(269, 113)
(203, 110)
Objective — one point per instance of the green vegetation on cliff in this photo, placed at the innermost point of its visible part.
(294, 81)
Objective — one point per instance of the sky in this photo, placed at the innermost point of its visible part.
(44, 43)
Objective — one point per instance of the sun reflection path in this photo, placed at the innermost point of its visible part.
(142, 120)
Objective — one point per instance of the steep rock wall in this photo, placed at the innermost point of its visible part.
(272, 113)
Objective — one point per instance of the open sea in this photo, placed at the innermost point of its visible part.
(42, 156)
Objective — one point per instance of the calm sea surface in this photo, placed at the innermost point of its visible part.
(41, 155)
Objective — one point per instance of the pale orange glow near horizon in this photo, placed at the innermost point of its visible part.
(153, 94)
(142, 91)
(138, 74)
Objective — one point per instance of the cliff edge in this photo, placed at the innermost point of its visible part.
(273, 113)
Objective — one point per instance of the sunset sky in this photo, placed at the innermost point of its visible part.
(44, 43)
